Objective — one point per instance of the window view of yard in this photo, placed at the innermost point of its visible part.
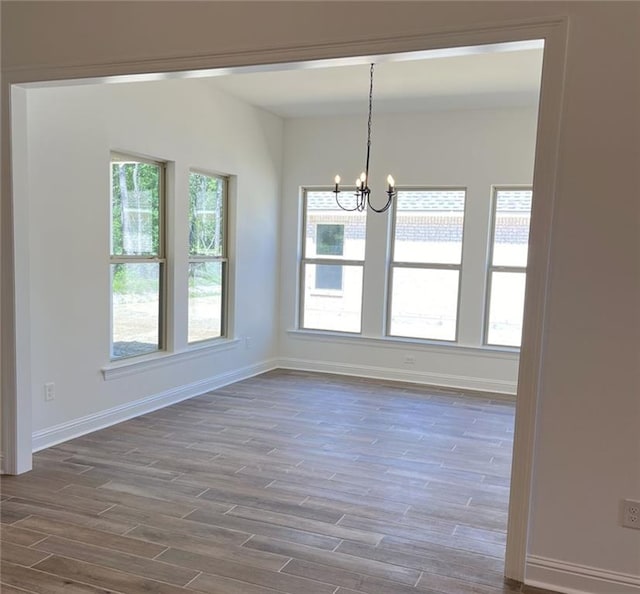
(424, 274)
(507, 270)
(205, 300)
(427, 258)
(207, 256)
(138, 300)
(135, 309)
(425, 268)
(137, 250)
(334, 242)
(506, 308)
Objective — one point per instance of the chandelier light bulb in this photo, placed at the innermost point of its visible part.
(391, 181)
(363, 177)
(337, 179)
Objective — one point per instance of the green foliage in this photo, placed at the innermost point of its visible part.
(135, 208)
(205, 279)
(135, 279)
(206, 229)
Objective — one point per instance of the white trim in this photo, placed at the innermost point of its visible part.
(463, 382)
(535, 320)
(525, 29)
(65, 431)
(16, 318)
(135, 365)
(407, 344)
(572, 578)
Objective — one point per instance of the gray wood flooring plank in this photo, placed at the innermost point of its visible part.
(277, 581)
(112, 559)
(201, 562)
(40, 582)
(20, 555)
(103, 577)
(374, 568)
(116, 542)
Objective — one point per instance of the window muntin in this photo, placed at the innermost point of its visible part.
(426, 264)
(208, 262)
(137, 262)
(332, 264)
(507, 266)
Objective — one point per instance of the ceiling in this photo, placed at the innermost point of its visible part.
(460, 78)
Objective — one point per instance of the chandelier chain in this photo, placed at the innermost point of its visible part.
(370, 110)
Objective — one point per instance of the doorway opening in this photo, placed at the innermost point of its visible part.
(36, 376)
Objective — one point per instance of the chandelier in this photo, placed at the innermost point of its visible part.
(362, 191)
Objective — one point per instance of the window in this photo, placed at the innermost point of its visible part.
(331, 268)
(137, 256)
(426, 263)
(507, 266)
(208, 261)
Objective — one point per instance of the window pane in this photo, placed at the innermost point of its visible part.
(331, 232)
(424, 303)
(428, 227)
(506, 308)
(332, 308)
(511, 233)
(205, 300)
(135, 208)
(136, 309)
(206, 215)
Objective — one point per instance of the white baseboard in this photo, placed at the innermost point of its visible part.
(51, 436)
(571, 578)
(464, 382)
(66, 431)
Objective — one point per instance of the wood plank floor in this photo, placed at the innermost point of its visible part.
(289, 482)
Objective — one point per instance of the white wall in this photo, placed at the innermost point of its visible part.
(473, 149)
(71, 131)
(587, 450)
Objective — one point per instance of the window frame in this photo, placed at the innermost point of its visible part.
(491, 268)
(304, 260)
(223, 259)
(392, 264)
(160, 258)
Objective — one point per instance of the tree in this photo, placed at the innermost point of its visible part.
(205, 215)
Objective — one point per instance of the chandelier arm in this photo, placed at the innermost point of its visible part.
(362, 199)
(344, 208)
(384, 208)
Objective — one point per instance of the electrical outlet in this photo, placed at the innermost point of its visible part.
(409, 360)
(49, 391)
(631, 513)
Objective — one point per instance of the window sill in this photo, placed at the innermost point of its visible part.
(326, 293)
(406, 343)
(134, 365)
